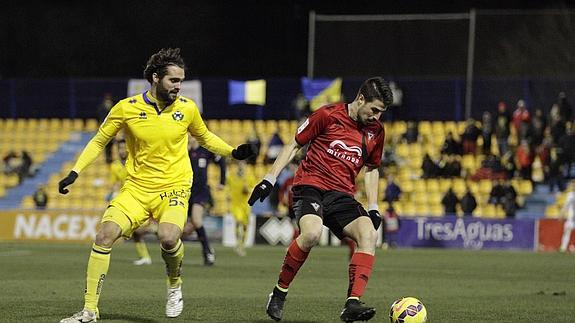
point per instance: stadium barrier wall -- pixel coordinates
(467, 233)
(550, 233)
(448, 232)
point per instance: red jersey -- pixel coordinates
(336, 151)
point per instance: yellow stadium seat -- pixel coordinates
(419, 197)
(552, 211)
(432, 185)
(422, 209)
(485, 186)
(525, 187)
(409, 209)
(436, 210)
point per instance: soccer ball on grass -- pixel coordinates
(407, 310)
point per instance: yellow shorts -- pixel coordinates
(133, 207)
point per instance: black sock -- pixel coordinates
(201, 232)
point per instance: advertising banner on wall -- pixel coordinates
(49, 225)
(550, 234)
(191, 89)
(472, 233)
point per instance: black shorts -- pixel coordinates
(336, 209)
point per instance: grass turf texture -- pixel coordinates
(45, 282)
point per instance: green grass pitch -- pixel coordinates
(45, 282)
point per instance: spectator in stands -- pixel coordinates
(538, 126)
(390, 225)
(255, 141)
(557, 125)
(521, 117)
(40, 197)
(509, 205)
(565, 110)
(502, 129)
(275, 145)
(508, 163)
(491, 168)
(102, 112)
(11, 163)
(469, 137)
(555, 175)
(486, 131)
(450, 145)
(468, 202)
(450, 201)
(452, 167)
(497, 192)
(509, 193)
(566, 150)
(411, 134)
(392, 190)
(429, 167)
(525, 158)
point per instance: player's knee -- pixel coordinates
(310, 238)
(106, 236)
(367, 237)
(169, 241)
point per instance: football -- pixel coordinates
(407, 310)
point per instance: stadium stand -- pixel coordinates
(65, 138)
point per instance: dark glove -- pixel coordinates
(261, 191)
(68, 180)
(244, 151)
(375, 218)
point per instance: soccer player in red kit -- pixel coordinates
(343, 138)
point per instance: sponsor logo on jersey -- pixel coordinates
(339, 149)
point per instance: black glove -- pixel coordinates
(261, 191)
(68, 180)
(244, 151)
(375, 218)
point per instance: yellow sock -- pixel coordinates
(173, 259)
(240, 234)
(142, 250)
(95, 276)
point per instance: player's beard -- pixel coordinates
(166, 96)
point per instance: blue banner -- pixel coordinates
(467, 233)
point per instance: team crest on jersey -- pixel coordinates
(370, 135)
(177, 116)
(143, 115)
(132, 101)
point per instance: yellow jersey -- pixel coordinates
(156, 141)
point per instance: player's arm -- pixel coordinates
(263, 189)
(106, 132)
(213, 143)
(371, 179)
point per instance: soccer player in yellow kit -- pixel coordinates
(240, 184)
(156, 124)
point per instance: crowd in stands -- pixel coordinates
(20, 164)
(524, 139)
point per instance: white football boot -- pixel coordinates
(175, 303)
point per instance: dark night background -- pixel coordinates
(108, 39)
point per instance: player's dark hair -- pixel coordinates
(159, 62)
(376, 88)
